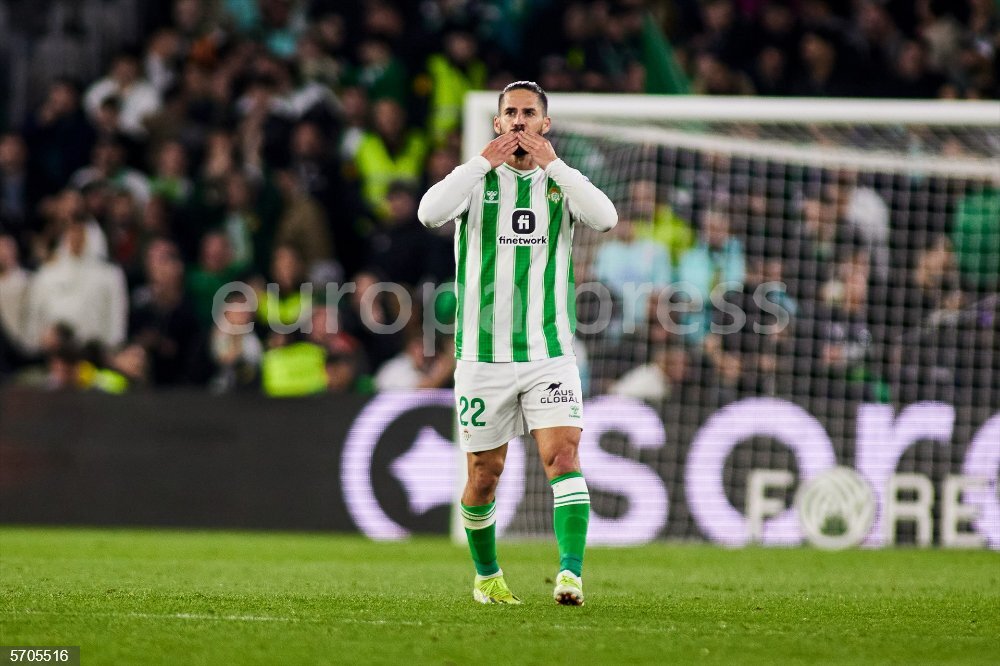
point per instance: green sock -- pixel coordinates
(570, 515)
(481, 530)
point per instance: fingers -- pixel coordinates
(507, 140)
(532, 141)
(538, 147)
(500, 148)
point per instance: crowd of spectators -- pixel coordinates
(829, 284)
(842, 48)
(285, 144)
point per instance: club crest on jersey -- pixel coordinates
(555, 196)
(522, 221)
(491, 196)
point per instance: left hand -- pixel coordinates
(538, 147)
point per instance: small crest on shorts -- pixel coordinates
(574, 411)
(466, 435)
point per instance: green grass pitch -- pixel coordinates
(203, 597)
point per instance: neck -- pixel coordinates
(165, 292)
(853, 304)
(822, 71)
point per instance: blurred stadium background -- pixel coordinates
(152, 152)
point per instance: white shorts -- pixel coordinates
(493, 400)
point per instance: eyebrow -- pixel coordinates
(523, 108)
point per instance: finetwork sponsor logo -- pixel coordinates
(522, 221)
(521, 240)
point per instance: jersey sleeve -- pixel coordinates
(586, 202)
(452, 195)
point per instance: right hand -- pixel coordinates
(499, 149)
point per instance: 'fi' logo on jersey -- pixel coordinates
(491, 196)
(522, 221)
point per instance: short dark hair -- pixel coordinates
(525, 85)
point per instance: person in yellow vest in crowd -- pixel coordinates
(283, 303)
(391, 151)
(666, 228)
(293, 367)
(450, 74)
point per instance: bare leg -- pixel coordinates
(479, 511)
(484, 469)
(559, 449)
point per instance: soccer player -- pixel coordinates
(515, 206)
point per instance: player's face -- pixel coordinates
(521, 110)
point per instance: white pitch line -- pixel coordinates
(217, 618)
(316, 620)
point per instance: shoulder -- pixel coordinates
(368, 141)
(112, 273)
(416, 139)
(101, 86)
(46, 274)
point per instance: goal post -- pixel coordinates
(880, 221)
(481, 107)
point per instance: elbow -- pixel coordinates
(426, 218)
(608, 221)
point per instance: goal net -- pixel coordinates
(793, 285)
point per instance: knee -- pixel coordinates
(483, 479)
(562, 459)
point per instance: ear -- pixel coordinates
(496, 125)
(546, 125)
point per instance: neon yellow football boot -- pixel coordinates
(493, 590)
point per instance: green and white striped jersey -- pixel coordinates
(514, 270)
(514, 256)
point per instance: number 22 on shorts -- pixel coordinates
(477, 405)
